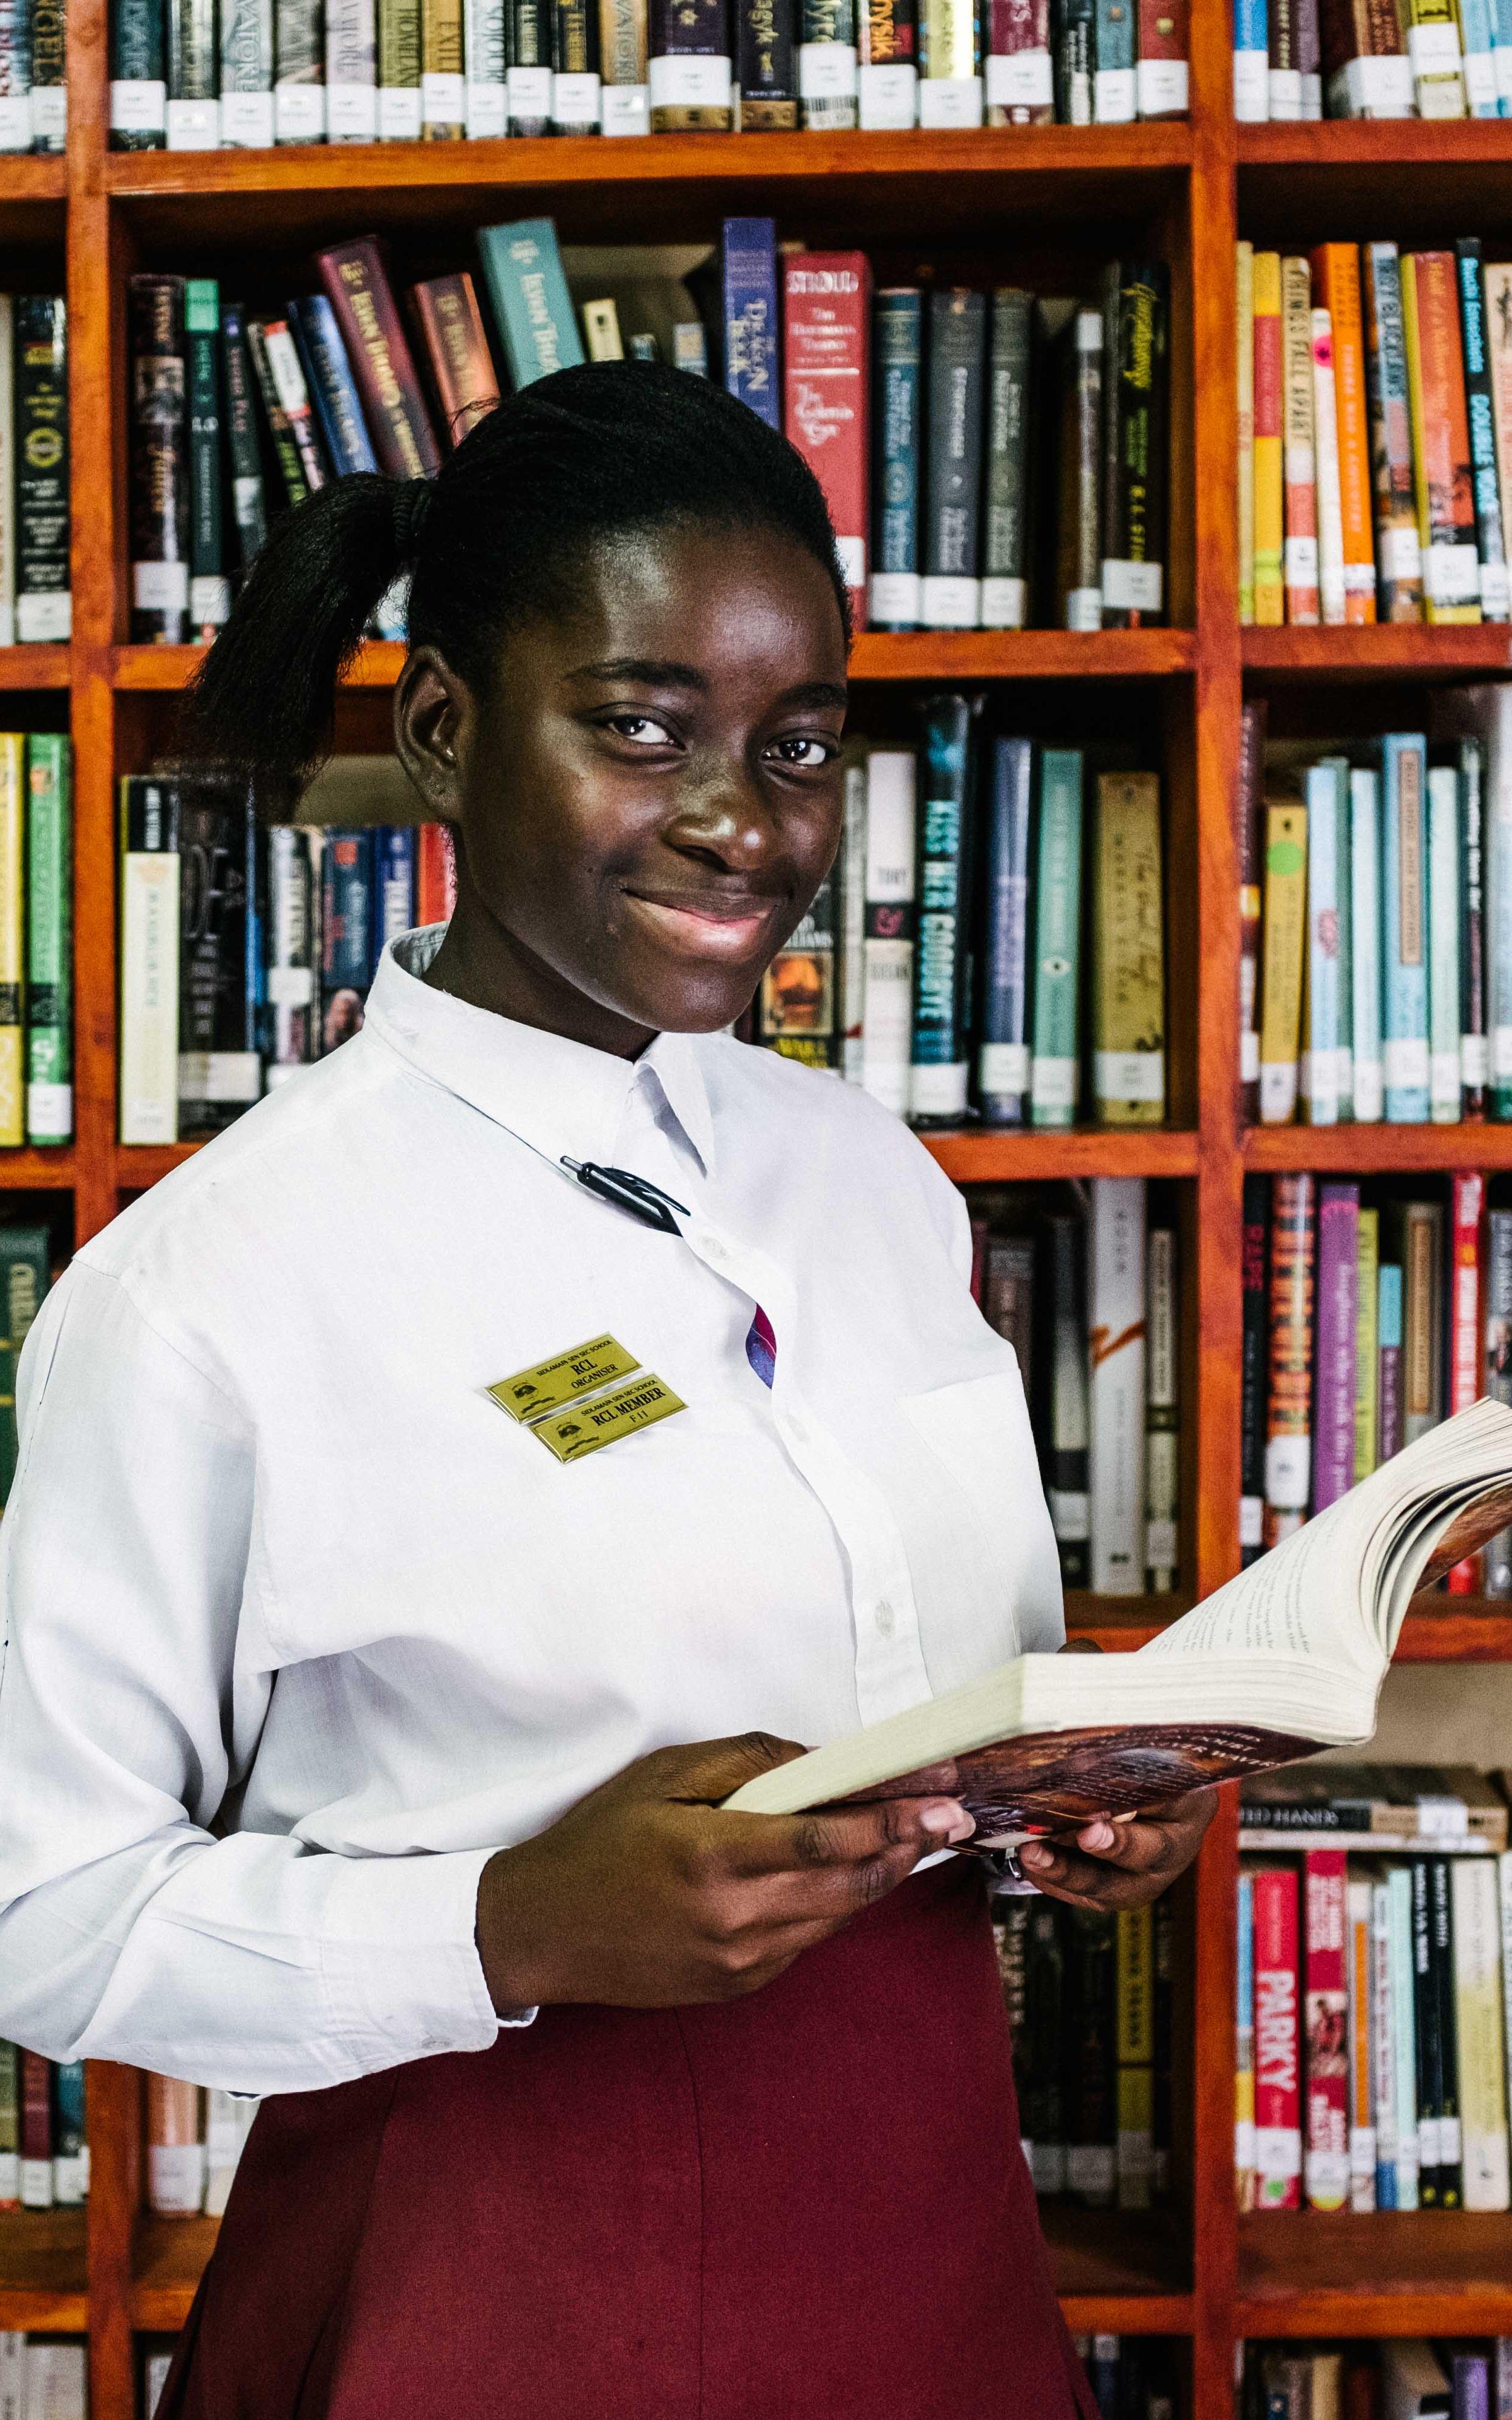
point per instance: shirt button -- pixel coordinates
(885, 1618)
(713, 1249)
(796, 1427)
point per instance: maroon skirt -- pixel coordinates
(811, 2204)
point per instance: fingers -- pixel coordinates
(712, 1770)
(1115, 1865)
(839, 1838)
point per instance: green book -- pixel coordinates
(24, 1281)
(1366, 1344)
(1057, 930)
(49, 937)
(532, 306)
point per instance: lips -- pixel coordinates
(708, 924)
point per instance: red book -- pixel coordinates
(354, 276)
(35, 2130)
(1020, 82)
(1465, 1332)
(461, 365)
(436, 875)
(1164, 46)
(826, 355)
(1328, 2031)
(1277, 2047)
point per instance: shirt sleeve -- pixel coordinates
(135, 1682)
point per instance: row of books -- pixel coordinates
(1371, 2037)
(1088, 1999)
(1376, 922)
(33, 101)
(194, 2139)
(246, 953)
(1084, 1283)
(1403, 2377)
(26, 1269)
(43, 2378)
(1375, 435)
(44, 2150)
(942, 965)
(1132, 2378)
(1367, 1319)
(35, 524)
(1346, 59)
(402, 70)
(990, 460)
(36, 938)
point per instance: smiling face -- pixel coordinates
(648, 795)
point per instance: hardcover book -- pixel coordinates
(827, 345)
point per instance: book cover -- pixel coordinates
(897, 338)
(950, 591)
(888, 73)
(691, 66)
(1318, 1075)
(1244, 394)
(1254, 1373)
(1475, 1040)
(1398, 550)
(1005, 590)
(138, 76)
(1480, 2032)
(1368, 1067)
(367, 316)
(160, 517)
(1269, 592)
(1443, 858)
(1128, 952)
(332, 390)
(462, 366)
(890, 912)
(1326, 466)
(1249, 848)
(1002, 1084)
(1335, 1349)
(1282, 958)
(1079, 524)
(12, 939)
(766, 70)
(1440, 437)
(1020, 79)
(1367, 1345)
(1065, 1425)
(826, 349)
(1116, 1353)
(1491, 536)
(1289, 1390)
(940, 1057)
(1163, 1418)
(1337, 279)
(149, 898)
(1134, 317)
(1404, 927)
(247, 74)
(300, 77)
(798, 1001)
(752, 324)
(1055, 1063)
(43, 608)
(1326, 2029)
(1299, 560)
(210, 589)
(49, 938)
(248, 499)
(1277, 2041)
(1361, 2001)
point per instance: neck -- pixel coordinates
(481, 962)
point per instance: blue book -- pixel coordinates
(1404, 926)
(1365, 953)
(1491, 538)
(1443, 943)
(939, 1058)
(1252, 62)
(328, 374)
(752, 320)
(1003, 1014)
(532, 306)
(1477, 35)
(1114, 97)
(897, 359)
(1320, 1084)
(393, 875)
(347, 924)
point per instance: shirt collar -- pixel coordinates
(559, 1095)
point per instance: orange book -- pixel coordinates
(176, 2147)
(436, 875)
(1336, 284)
(1440, 437)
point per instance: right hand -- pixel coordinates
(645, 1895)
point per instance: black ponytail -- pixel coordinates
(497, 538)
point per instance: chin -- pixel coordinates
(706, 1010)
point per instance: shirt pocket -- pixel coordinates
(978, 1430)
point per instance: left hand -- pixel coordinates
(1108, 1865)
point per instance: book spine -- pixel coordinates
(209, 590)
(1369, 1073)
(1252, 63)
(1005, 589)
(435, 876)
(1319, 1062)
(357, 283)
(1337, 272)
(1443, 943)
(1326, 460)
(890, 913)
(220, 1070)
(8, 473)
(351, 71)
(528, 40)
(398, 70)
(1465, 1327)
(888, 75)
(796, 1007)
(1404, 2027)
(1127, 952)
(1367, 1345)
(1344, 1039)
(248, 502)
(1326, 2029)
(286, 452)
(247, 112)
(331, 388)
(286, 372)
(1163, 1435)
(1164, 50)
(1091, 2154)
(827, 65)
(940, 1060)
(347, 928)
(138, 76)
(1339, 1274)
(176, 2148)
(1358, 1918)
(485, 62)
(692, 76)
(766, 69)
(12, 939)
(1479, 2033)
(1301, 563)
(1269, 593)
(1478, 31)
(1115, 79)
(1135, 2049)
(1382, 2047)
(35, 2130)
(1475, 1040)
(1074, 23)
(393, 885)
(1398, 550)
(828, 299)
(290, 882)
(1245, 2047)
(1307, 50)
(1422, 1317)
(1253, 1366)
(623, 51)
(1132, 572)
(1404, 925)
(1020, 73)
(897, 349)
(1067, 1477)
(49, 97)
(1116, 1352)
(70, 2150)
(43, 605)
(450, 326)
(853, 924)
(1390, 1330)
(1440, 438)
(193, 111)
(1497, 1375)
(300, 72)
(1245, 392)
(752, 324)
(1451, 2157)
(1055, 1061)
(149, 961)
(1249, 801)
(950, 64)
(1491, 536)
(1282, 958)
(1288, 1410)
(950, 591)
(49, 938)
(1497, 289)
(1277, 2042)
(1079, 567)
(1047, 2011)
(160, 460)
(576, 83)
(1002, 1028)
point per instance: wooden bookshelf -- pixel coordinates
(1008, 202)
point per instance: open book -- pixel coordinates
(1284, 1660)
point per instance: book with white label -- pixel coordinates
(1284, 1660)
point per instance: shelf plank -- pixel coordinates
(43, 2282)
(29, 1170)
(1442, 1629)
(1393, 2273)
(1377, 1150)
(1107, 2254)
(1372, 143)
(34, 668)
(1387, 651)
(167, 2257)
(1005, 1156)
(1118, 1624)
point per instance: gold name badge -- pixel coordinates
(571, 1434)
(550, 1385)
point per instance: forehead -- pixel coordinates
(730, 601)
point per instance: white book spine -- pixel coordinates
(1404, 2033)
(888, 1003)
(1368, 1070)
(12, 2375)
(1444, 944)
(1480, 2034)
(150, 997)
(1326, 461)
(1116, 1348)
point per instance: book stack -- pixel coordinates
(44, 2151)
(1369, 1319)
(1375, 1969)
(194, 2140)
(1376, 922)
(1083, 1282)
(394, 71)
(1375, 435)
(1410, 58)
(26, 1274)
(942, 964)
(1132, 2378)
(246, 952)
(34, 521)
(34, 104)
(43, 2378)
(1088, 1999)
(991, 460)
(1403, 2378)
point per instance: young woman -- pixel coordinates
(359, 1751)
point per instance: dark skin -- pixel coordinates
(646, 799)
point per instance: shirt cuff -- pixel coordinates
(399, 1959)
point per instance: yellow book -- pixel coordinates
(1479, 2032)
(1366, 1346)
(1265, 408)
(1283, 954)
(1245, 299)
(1127, 952)
(1134, 2039)
(12, 937)
(1430, 30)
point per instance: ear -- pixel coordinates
(434, 720)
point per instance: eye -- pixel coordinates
(806, 752)
(643, 729)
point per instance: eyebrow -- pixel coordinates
(658, 674)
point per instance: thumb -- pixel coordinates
(709, 1773)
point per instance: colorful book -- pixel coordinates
(49, 938)
(1163, 1427)
(1254, 1376)
(752, 324)
(940, 1061)
(1368, 1346)
(462, 367)
(1440, 437)
(1289, 1391)
(1368, 1064)
(826, 349)
(1277, 2042)
(1300, 561)
(1244, 394)
(209, 588)
(1270, 592)
(1055, 1073)
(1336, 1297)
(354, 277)
(1320, 1069)
(891, 896)
(690, 71)
(1398, 548)
(1444, 914)
(1326, 2027)
(1491, 536)
(43, 524)
(1337, 279)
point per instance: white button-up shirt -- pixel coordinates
(300, 1627)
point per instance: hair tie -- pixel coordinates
(412, 505)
